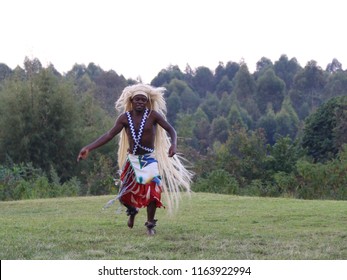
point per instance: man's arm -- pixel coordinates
(170, 130)
(118, 126)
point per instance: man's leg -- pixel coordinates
(151, 222)
(131, 212)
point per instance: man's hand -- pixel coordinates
(83, 154)
(172, 150)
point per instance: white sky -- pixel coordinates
(141, 37)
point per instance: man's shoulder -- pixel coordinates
(155, 113)
(122, 117)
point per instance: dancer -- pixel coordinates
(146, 155)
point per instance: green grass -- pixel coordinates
(206, 226)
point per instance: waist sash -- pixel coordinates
(145, 168)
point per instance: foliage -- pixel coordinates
(203, 81)
(247, 124)
(246, 154)
(287, 120)
(323, 181)
(270, 89)
(180, 98)
(336, 85)
(244, 84)
(5, 72)
(268, 122)
(286, 183)
(324, 130)
(166, 75)
(217, 181)
(308, 86)
(100, 180)
(283, 155)
(219, 129)
(38, 117)
(23, 181)
(287, 69)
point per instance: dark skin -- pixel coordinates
(148, 136)
(139, 103)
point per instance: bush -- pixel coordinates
(323, 181)
(100, 180)
(217, 181)
(286, 183)
(23, 190)
(71, 187)
(25, 182)
(258, 187)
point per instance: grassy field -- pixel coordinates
(207, 226)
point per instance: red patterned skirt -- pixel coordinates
(135, 194)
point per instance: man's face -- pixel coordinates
(139, 102)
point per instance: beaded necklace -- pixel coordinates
(137, 138)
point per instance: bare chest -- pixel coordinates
(138, 126)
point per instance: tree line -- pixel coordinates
(279, 131)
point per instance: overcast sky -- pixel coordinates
(141, 37)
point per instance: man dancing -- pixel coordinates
(146, 155)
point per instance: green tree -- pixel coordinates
(287, 120)
(94, 71)
(16, 121)
(166, 75)
(5, 71)
(224, 86)
(219, 73)
(334, 66)
(287, 69)
(77, 71)
(324, 130)
(107, 88)
(223, 77)
(201, 131)
(189, 100)
(244, 84)
(237, 115)
(340, 130)
(203, 81)
(185, 124)
(244, 87)
(38, 118)
(231, 69)
(270, 89)
(219, 129)
(174, 106)
(18, 74)
(336, 85)
(262, 66)
(269, 124)
(210, 106)
(244, 155)
(283, 155)
(225, 103)
(308, 86)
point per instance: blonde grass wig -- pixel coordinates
(175, 176)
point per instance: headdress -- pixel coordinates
(175, 176)
(139, 92)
